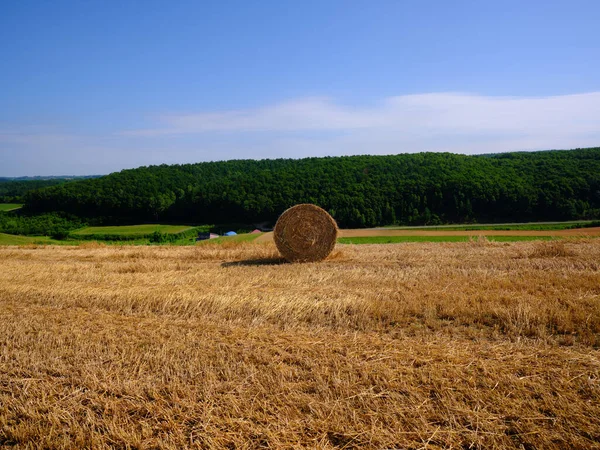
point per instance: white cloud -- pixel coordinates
(422, 115)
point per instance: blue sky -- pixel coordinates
(91, 87)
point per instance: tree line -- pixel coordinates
(359, 191)
(56, 225)
(12, 190)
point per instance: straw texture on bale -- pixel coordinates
(305, 233)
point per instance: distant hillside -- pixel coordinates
(13, 189)
(423, 188)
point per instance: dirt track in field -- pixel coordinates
(368, 232)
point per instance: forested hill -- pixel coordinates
(13, 189)
(424, 188)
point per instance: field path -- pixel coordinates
(265, 237)
(368, 232)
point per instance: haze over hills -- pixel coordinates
(359, 191)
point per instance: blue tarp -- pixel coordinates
(230, 233)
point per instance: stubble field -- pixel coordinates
(419, 345)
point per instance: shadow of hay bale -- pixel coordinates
(256, 262)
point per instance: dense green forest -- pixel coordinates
(359, 191)
(12, 190)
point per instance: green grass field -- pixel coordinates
(246, 237)
(9, 239)
(9, 206)
(135, 232)
(128, 230)
(400, 239)
(532, 226)
(140, 234)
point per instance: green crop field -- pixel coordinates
(246, 237)
(400, 239)
(9, 206)
(532, 226)
(9, 239)
(129, 230)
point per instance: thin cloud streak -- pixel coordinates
(413, 115)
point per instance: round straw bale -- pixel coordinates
(305, 233)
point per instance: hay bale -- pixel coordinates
(305, 233)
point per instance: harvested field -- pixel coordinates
(462, 345)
